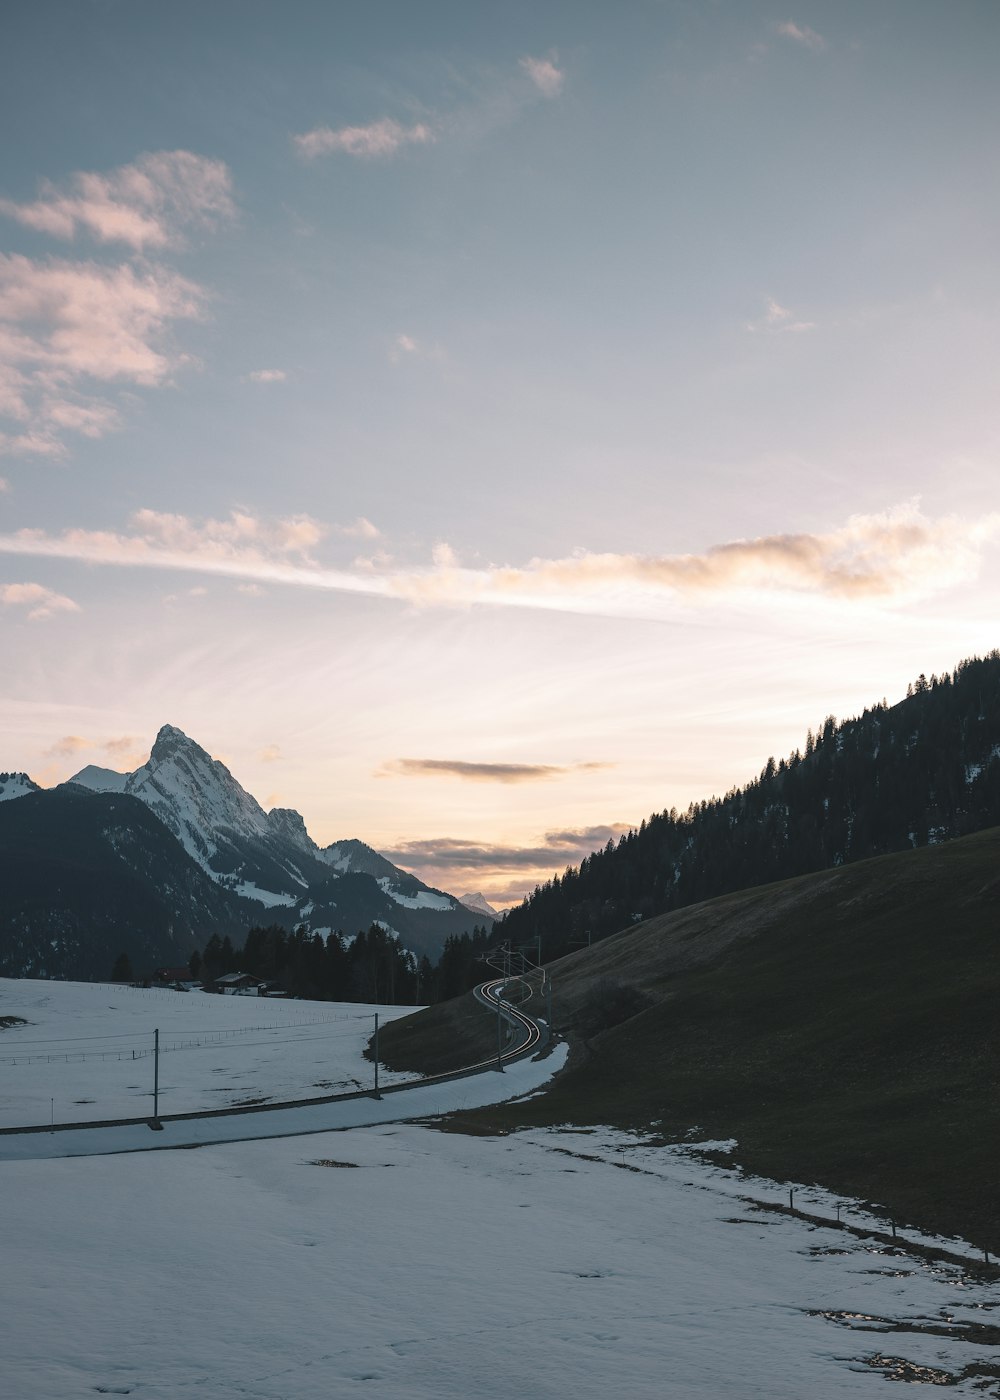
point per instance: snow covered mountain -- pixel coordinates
(479, 904)
(269, 857)
(16, 785)
(261, 855)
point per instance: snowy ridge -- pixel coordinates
(100, 779)
(16, 785)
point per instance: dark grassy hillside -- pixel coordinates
(844, 1027)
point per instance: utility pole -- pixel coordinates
(377, 1094)
(155, 1124)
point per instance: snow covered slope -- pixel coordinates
(404, 889)
(100, 779)
(16, 785)
(220, 824)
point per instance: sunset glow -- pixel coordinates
(483, 426)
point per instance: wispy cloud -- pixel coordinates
(122, 747)
(360, 529)
(777, 319)
(896, 555)
(270, 754)
(65, 324)
(121, 750)
(401, 346)
(267, 376)
(68, 746)
(146, 205)
(505, 873)
(41, 602)
(801, 34)
(484, 772)
(377, 141)
(554, 848)
(545, 75)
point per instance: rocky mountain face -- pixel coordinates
(184, 851)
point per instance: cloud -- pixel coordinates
(68, 746)
(897, 555)
(121, 747)
(144, 205)
(267, 376)
(377, 141)
(778, 318)
(402, 345)
(271, 754)
(801, 34)
(405, 347)
(4, 485)
(360, 529)
(485, 772)
(41, 602)
(81, 318)
(121, 750)
(65, 324)
(547, 78)
(555, 849)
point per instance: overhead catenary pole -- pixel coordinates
(155, 1121)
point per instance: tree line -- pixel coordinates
(371, 967)
(922, 771)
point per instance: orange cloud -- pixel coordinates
(896, 555)
(41, 602)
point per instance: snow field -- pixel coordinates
(87, 1051)
(405, 1263)
(408, 1264)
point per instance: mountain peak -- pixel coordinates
(478, 904)
(169, 740)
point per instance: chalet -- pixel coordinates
(238, 984)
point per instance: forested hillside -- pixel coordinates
(895, 778)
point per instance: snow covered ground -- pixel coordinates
(405, 1263)
(408, 1264)
(87, 1050)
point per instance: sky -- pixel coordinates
(482, 426)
